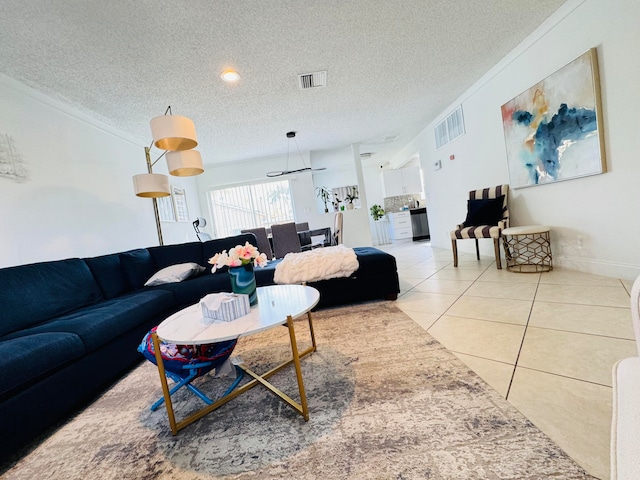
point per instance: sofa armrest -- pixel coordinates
(625, 422)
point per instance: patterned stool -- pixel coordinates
(528, 249)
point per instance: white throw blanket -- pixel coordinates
(318, 264)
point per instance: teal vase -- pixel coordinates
(243, 280)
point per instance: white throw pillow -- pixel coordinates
(175, 273)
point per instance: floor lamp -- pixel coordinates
(175, 135)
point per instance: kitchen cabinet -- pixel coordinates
(400, 225)
(402, 181)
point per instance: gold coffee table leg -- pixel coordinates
(296, 362)
(302, 407)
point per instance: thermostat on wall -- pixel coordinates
(437, 165)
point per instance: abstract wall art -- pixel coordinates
(553, 131)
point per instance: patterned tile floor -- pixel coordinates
(545, 341)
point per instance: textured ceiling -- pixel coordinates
(393, 66)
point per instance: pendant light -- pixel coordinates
(279, 173)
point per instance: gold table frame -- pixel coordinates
(302, 407)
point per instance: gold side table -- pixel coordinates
(528, 249)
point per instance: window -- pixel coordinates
(250, 206)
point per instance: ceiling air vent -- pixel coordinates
(312, 80)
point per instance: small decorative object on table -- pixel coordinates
(224, 306)
(241, 260)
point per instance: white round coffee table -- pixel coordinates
(277, 305)
(528, 248)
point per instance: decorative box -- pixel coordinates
(224, 306)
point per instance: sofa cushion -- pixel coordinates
(27, 358)
(373, 261)
(138, 266)
(98, 324)
(173, 254)
(108, 272)
(485, 211)
(31, 294)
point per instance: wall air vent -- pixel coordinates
(449, 128)
(312, 80)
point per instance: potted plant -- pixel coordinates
(351, 196)
(377, 212)
(325, 195)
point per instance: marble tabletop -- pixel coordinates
(275, 303)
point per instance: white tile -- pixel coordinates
(434, 285)
(496, 374)
(494, 309)
(504, 275)
(593, 319)
(416, 271)
(456, 274)
(491, 340)
(425, 320)
(470, 263)
(574, 414)
(435, 303)
(513, 291)
(407, 284)
(571, 277)
(576, 355)
(584, 295)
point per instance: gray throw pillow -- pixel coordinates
(175, 273)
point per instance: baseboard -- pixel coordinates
(598, 267)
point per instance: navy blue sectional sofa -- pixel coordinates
(70, 328)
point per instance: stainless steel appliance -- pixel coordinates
(419, 224)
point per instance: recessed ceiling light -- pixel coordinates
(230, 76)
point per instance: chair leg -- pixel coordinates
(454, 247)
(477, 250)
(496, 247)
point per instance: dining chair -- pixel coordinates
(264, 245)
(301, 227)
(337, 229)
(285, 239)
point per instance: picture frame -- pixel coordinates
(180, 204)
(554, 131)
(165, 209)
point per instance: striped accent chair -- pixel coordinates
(492, 228)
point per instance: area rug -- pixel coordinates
(386, 401)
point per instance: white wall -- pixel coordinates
(78, 200)
(255, 170)
(306, 206)
(602, 208)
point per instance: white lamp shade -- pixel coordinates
(151, 185)
(185, 163)
(173, 132)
